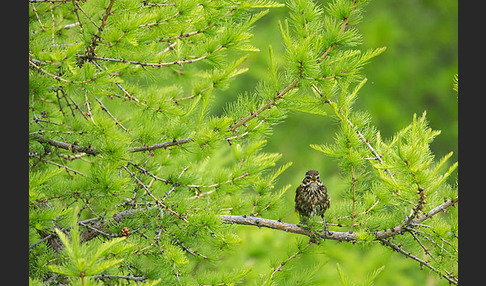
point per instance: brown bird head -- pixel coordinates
(312, 175)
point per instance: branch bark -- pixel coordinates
(333, 235)
(68, 146)
(288, 227)
(161, 145)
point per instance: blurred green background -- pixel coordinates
(415, 74)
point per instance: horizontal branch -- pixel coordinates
(161, 145)
(334, 235)
(127, 277)
(287, 227)
(68, 146)
(158, 64)
(145, 64)
(349, 236)
(92, 151)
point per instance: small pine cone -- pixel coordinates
(125, 231)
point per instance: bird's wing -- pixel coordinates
(298, 191)
(328, 198)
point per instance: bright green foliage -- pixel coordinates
(369, 279)
(123, 137)
(86, 260)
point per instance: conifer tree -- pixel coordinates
(123, 142)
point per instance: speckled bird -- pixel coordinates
(311, 197)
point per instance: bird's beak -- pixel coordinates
(314, 179)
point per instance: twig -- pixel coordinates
(98, 230)
(341, 31)
(437, 209)
(174, 186)
(159, 203)
(146, 171)
(65, 167)
(279, 267)
(190, 251)
(77, 6)
(419, 206)
(268, 105)
(75, 10)
(354, 195)
(88, 106)
(117, 122)
(361, 136)
(161, 21)
(159, 64)
(161, 145)
(398, 249)
(34, 65)
(184, 35)
(426, 250)
(51, 9)
(218, 184)
(127, 277)
(37, 15)
(96, 37)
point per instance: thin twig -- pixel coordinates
(76, 4)
(35, 66)
(279, 267)
(65, 167)
(88, 106)
(127, 277)
(190, 251)
(98, 230)
(354, 196)
(218, 184)
(268, 105)
(161, 145)
(398, 249)
(341, 31)
(90, 50)
(117, 122)
(75, 10)
(361, 136)
(159, 64)
(37, 15)
(159, 203)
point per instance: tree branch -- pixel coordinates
(347, 236)
(117, 122)
(127, 277)
(398, 249)
(68, 146)
(287, 227)
(268, 105)
(333, 235)
(161, 145)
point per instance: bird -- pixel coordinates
(311, 198)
